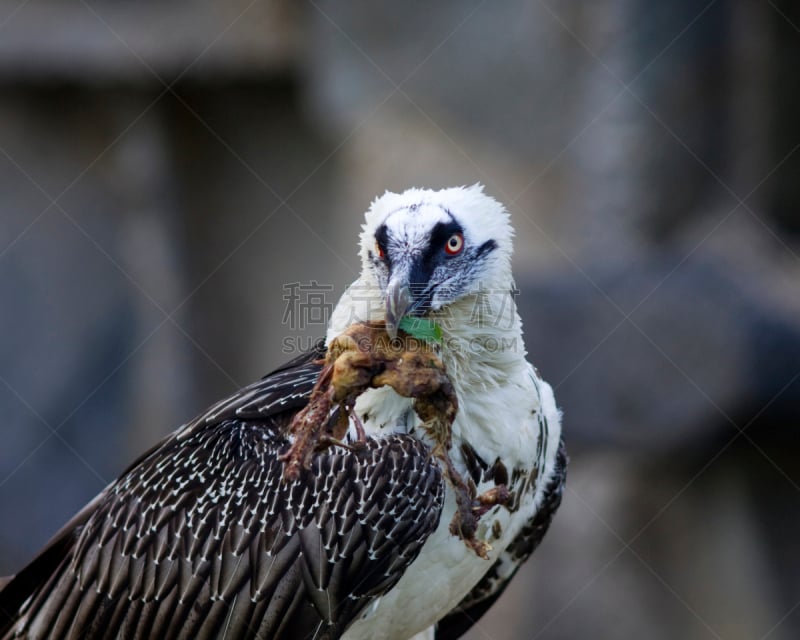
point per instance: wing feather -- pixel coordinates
(201, 538)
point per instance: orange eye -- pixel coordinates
(454, 244)
(379, 251)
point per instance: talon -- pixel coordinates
(329, 441)
(499, 495)
(361, 434)
(496, 495)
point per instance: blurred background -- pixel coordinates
(181, 188)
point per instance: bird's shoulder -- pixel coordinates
(273, 399)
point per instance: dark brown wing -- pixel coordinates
(490, 588)
(285, 391)
(202, 539)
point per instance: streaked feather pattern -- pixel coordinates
(202, 539)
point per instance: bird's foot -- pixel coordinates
(499, 495)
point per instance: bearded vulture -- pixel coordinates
(202, 537)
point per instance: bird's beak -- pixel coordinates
(398, 301)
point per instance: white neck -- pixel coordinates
(482, 345)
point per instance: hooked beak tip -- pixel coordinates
(398, 301)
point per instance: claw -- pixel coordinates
(361, 434)
(329, 441)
